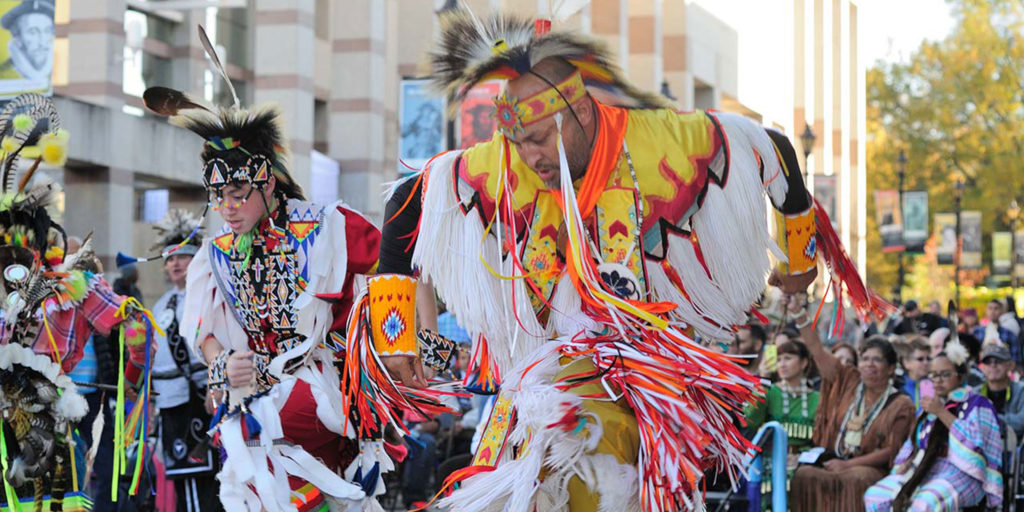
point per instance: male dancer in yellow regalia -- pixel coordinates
(584, 246)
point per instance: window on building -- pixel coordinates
(144, 68)
(229, 31)
(233, 36)
(321, 120)
(151, 204)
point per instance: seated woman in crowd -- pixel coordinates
(845, 354)
(789, 401)
(862, 421)
(953, 457)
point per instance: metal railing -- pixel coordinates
(755, 466)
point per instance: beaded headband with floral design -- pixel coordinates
(513, 115)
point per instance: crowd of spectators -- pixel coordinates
(917, 412)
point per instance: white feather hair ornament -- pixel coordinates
(956, 352)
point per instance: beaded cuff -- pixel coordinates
(393, 314)
(437, 351)
(797, 239)
(217, 372)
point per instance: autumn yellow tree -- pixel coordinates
(956, 107)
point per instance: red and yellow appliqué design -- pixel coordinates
(392, 314)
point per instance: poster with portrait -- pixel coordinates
(26, 47)
(825, 193)
(1002, 253)
(476, 124)
(945, 230)
(890, 223)
(970, 233)
(915, 220)
(421, 120)
(1018, 266)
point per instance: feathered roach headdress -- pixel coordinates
(243, 145)
(29, 128)
(505, 47)
(179, 232)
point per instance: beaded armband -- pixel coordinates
(393, 314)
(437, 351)
(217, 372)
(797, 239)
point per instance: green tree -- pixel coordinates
(956, 107)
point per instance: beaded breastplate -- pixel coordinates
(263, 284)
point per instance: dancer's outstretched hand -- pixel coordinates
(792, 284)
(407, 370)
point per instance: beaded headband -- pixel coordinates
(513, 115)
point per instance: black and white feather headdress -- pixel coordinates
(242, 144)
(179, 232)
(505, 46)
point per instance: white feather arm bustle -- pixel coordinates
(732, 229)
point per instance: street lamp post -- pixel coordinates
(1013, 212)
(902, 273)
(957, 196)
(666, 91)
(807, 139)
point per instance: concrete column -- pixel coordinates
(98, 198)
(360, 102)
(644, 67)
(416, 23)
(95, 35)
(190, 63)
(283, 66)
(674, 53)
(858, 137)
(609, 21)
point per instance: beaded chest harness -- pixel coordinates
(263, 285)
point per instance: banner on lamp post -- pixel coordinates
(970, 233)
(890, 222)
(1002, 253)
(27, 39)
(1018, 266)
(915, 220)
(945, 231)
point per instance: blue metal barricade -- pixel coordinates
(780, 444)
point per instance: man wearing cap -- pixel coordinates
(995, 331)
(179, 377)
(30, 50)
(1006, 395)
(913, 320)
